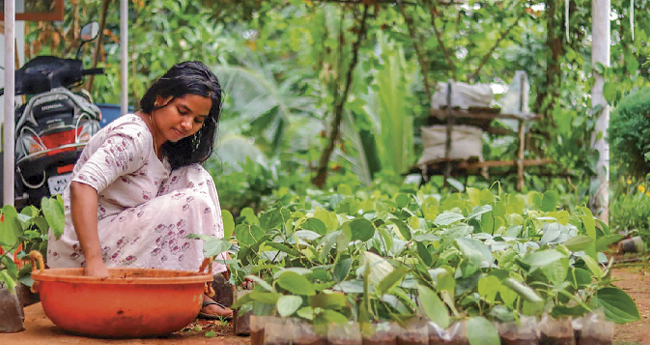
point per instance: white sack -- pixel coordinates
(463, 95)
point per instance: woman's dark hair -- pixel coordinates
(188, 78)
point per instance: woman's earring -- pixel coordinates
(155, 104)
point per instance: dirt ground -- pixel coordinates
(635, 280)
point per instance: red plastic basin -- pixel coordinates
(131, 303)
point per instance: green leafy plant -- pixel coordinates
(629, 134)
(630, 209)
(20, 233)
(392, 255)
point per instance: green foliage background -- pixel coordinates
(283, 64)
(629, 134)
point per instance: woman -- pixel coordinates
(138, 188)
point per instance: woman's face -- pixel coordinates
(180, 117)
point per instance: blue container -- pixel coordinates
(110, 112)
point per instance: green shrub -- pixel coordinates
(630, 209)
(629, 134)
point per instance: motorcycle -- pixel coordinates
(55, 124)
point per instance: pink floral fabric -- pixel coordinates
(145, 210)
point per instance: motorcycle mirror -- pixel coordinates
(89, 32)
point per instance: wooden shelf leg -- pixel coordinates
(449, 131)
(520, 158)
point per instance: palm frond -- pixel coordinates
(357, 159)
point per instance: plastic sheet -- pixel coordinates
(275, 331)
(596, 330)
(344, 334)
(437, 335)
(457, 334)
(415, 332)
(556, 331)
(523, 332)
(303, 333)
(382, 333)
(257, 324)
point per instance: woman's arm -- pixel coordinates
(83, 206)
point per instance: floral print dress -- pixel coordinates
(145, 209)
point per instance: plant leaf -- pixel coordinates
(619, 306)
(214, 246)
(287, 305)
(523, 290)
(433, 306)
(549, 200)
(543, 258)
(248, 234)
(228, 223)
(578, 243)
(482, 332)
(53, 212)
(362, 229)
(402, 227)
(296, 284)
(448, 218)
(261, 282)
(341, 269)
(391, 280)
(314, 224)
(424, 254)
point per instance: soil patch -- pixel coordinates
(635, 280)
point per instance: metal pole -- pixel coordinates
(124, 64)
(600, 51)
(10, 89)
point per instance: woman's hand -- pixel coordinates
(97, 269)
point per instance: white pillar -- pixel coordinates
(600, 28)
(124, 64)
(10, 86)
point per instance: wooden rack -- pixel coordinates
(483, 117)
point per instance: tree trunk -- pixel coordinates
(321, 172)
(600, 25)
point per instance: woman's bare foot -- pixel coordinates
(214, 310)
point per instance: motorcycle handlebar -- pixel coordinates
(92, 71)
